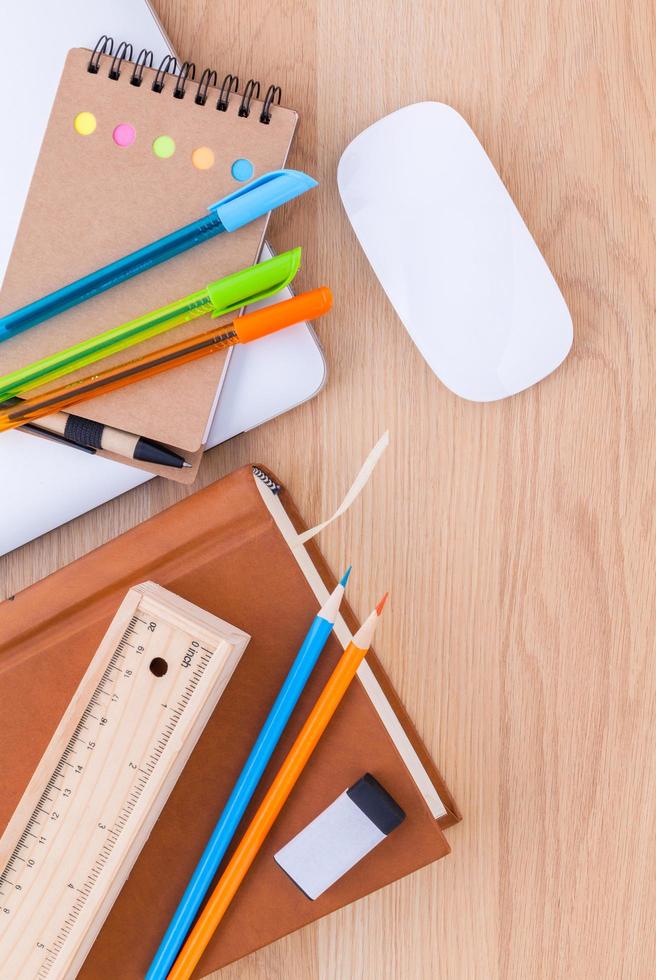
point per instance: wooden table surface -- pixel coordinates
(517, 538)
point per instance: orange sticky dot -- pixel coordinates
(202, 158)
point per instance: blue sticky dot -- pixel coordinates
(242, 170)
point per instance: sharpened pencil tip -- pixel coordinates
(379, 607)
(345, 577)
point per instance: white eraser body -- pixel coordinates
(336, 840)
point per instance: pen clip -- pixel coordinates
(56, 437)
(254, 284)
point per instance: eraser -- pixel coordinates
(336, 840)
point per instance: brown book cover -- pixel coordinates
(224, 549)
(91, 202)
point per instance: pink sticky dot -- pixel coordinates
(124, 134)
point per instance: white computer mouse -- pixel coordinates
(453, 253)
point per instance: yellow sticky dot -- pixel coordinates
(163, 147)
(84, 123)
(202, 158)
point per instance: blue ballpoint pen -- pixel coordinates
(246, 785)
(234, 211)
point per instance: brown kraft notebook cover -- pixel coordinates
(223, 550)
(92, 202)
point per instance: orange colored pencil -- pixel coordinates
(275, 798)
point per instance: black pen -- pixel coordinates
(90, 435)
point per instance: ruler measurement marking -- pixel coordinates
(92, 873)
(57, 773)
(136, 793)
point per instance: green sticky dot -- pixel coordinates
(163, 147)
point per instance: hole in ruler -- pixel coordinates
(158, 666)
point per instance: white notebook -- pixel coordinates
(52, 484)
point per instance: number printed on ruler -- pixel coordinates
(91, 809)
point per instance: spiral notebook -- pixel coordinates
(136, 176)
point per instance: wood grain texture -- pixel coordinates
(517, 538)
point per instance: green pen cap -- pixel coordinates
(254, 284)
(220, 297)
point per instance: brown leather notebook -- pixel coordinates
(233, 550)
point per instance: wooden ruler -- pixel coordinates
(105, 777)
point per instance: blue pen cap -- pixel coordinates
(261, 196)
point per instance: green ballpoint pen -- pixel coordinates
(223, 296)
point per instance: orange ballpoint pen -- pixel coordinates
(242, 330)
(275, 799)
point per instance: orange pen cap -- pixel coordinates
(306, 306)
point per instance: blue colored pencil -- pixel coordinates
(246, 785)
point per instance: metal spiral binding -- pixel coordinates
(230, 82)
(144, 60)
(186, 74)
(123, 53)
(167, 64)
(209, 77)
(188, 69)
(266, 480)
(104, 45)
(274, 94)
(252, 91)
